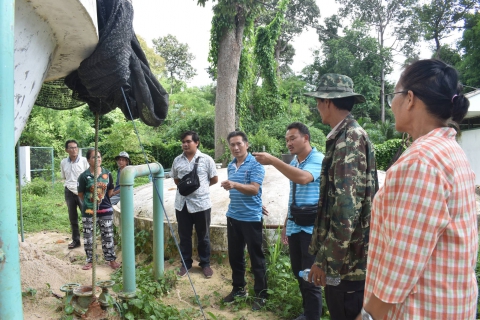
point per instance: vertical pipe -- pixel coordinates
(20, 190)
(158, 246)
(10, 286)
(128, 241)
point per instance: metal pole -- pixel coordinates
(158, 246)
(127, 177)
(20, 190)
(10, 285)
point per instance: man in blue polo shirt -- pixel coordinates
(244, 220)
(304, 172)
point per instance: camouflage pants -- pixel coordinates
(106, 229)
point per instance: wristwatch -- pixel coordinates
(366, 315)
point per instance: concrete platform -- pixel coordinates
(275, 197)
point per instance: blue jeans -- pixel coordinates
(186, 221)
(300, 259)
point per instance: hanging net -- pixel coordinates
(56, 95)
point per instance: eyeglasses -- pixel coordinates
(390, 96)
(72, 148)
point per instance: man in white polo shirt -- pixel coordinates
(71, 167)
(304, 175)
(195, 208)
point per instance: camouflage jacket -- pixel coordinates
(348, 183)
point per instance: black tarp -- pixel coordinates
(119, 62)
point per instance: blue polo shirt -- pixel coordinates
(306, 194)
(243, 207)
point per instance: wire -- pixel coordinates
(161, 202)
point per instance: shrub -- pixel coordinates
(385, 152)
(38, 187)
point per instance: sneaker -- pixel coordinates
(207, 272)
(236, 292)
(258, 303)
(182, 272)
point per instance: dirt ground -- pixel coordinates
(47, 264)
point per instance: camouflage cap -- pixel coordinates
(333, 86)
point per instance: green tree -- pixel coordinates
(448, 55)
(438, 18)
(355, 55)
(229, 21)
(470, 45)
(177, 59)
(299, 15)
(386, 18)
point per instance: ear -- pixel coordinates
(411, 100)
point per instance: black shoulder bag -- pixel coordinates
(189, 182)
(304, 215)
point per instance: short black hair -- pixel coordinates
(303, 129)
(237, 133)
(90, 151)
(342, 103)
(436, 84)
(192, 133)
(70, 141)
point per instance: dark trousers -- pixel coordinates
(300, 259)
(345, 300)
(186, 221)
(73, 202)
(241, 234)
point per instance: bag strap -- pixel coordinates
(195, 165)
(294, 191)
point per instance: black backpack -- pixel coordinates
(189, 182)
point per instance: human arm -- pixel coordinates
(284, 232)
(376, 308)
(110, 186)
(213, 180)
(250, 189)
(80, 195)
(62, 171)
(294, 174)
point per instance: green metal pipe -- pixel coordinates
(127, 177)
(10, 285)
(158, 247)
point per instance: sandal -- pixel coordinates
(113, 264)
(88, 266)
(74, 244)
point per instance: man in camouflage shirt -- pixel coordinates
(348, 183)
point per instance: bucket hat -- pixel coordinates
(334, 86)
(123, 154)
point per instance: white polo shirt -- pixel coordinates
(71, 170)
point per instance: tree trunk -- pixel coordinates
(229, 50)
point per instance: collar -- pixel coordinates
(198, 153)
(76, 160)
(247, 159)
(340, 126)
(308, 155)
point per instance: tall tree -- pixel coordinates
(299, 15)
(470, 45)
(226, 40)
(438, 18)
(393, 17)
(177, 58)
(357, 55)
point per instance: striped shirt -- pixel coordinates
(423, 233)
(306, 194)
(199, 200)
(243, 207)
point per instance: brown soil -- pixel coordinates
(47, 264)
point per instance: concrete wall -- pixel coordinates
(470, 143)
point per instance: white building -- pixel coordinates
(469, 140)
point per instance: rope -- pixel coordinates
(161, 202)
(95, 204)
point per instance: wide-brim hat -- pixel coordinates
(335, 86)
(123, 154)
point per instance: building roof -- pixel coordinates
(474, 110)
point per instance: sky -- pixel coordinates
(191, 24)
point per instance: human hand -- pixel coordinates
(263, 157)
(284, 236)
(264, 211)
(317, 276)
(228, 185)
